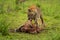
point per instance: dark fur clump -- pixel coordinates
(29, 28)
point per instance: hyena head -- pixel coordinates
(32, 12)
(32, 9)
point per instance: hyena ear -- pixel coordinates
(29, 10)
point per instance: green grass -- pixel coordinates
(17, 16)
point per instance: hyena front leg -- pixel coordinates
(36, 22)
